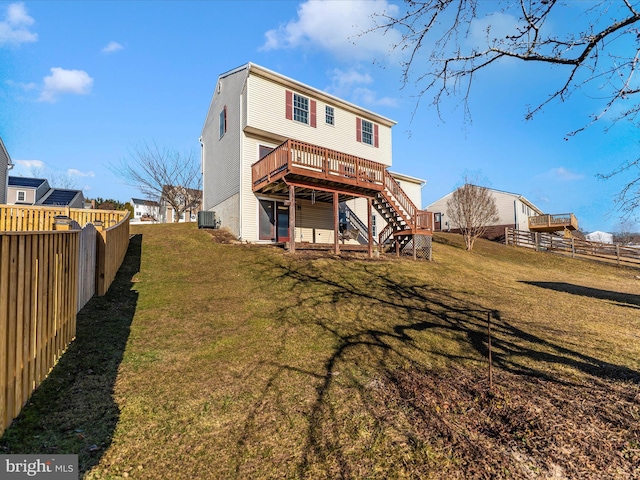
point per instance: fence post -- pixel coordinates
(506, 236)
(618, 252)
(573, 247)
(537, 241)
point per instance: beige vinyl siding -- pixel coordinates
(12, 195)
(314, 222)
(266, 111)
(221, 156)
(506, 208)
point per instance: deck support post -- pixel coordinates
(395, 239)
(336, 222)
(415, 250)
(292, 219)
(369, 227)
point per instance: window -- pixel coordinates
(223, 121)
(264, 151)
(374, 230)
(329, 115)
(22, 196)
(367, 132)
(300, 108)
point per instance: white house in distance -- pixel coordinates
(601, 237)
(5, 166)
(285, 162)
(513, 211)
(145, 210)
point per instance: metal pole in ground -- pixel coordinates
(489, 344)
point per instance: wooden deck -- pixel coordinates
(315, 167)
(553, 223)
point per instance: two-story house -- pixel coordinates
(37, 191)
(281, 162)
(5, 166)
(514, 211)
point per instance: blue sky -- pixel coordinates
(82, 83)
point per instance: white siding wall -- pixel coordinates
(510, 210)
(506, 208)
(266, 111)
(221, 163)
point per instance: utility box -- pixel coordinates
(207, 220)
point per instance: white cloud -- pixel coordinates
(349, 84)
(30, 164)
(112, 47)
(77, 173)
(63, 81)
(563, 174)
(337, 27)
(21, 85)
(369, 98)
(14, 28)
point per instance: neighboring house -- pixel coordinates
(36, 191)
(145, 210)
(513, 211)
(189, 198)
(602, 237)
(282, 161)
(5, 166)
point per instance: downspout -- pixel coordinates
(241, 158)
(202, 171)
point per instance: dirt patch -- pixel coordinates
(222, 235)
(526, 427)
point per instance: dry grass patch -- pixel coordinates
(248, 362)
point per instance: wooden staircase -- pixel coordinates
(404, 219)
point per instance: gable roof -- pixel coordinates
(60, 196)
(26, 182)
(146, 203)
(253, 68)
(4, 153)
(515, 195)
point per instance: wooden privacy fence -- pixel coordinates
(38, 291)
(606, 252)
(17, 218)
(46, 277)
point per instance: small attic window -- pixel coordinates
(219, 87)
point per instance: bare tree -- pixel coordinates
(164, 175)
(472, 209)
(445, 43)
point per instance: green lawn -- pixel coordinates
(210, 360)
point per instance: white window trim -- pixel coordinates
(294, 107)
(24, 196)
(370, 133)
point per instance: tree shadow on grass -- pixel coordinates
(73, 410)
(391, 314)
(619, 298)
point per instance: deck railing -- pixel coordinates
(559, 220)
(318, 162)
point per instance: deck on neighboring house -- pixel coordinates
(553, 223)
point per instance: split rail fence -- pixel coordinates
(49, 269)
(574, 247)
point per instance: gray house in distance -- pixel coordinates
(36, 191)
(5, 166)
